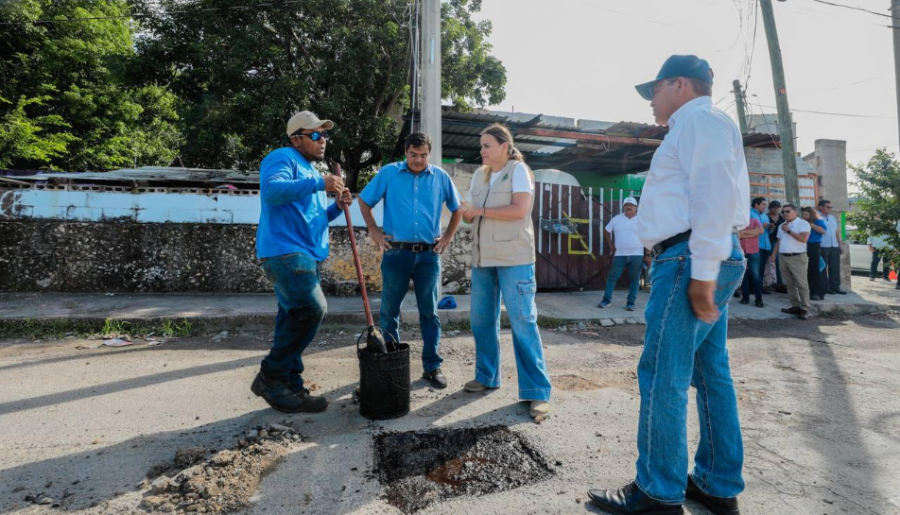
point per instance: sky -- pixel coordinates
(581, 59)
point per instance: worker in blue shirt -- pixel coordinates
(291, 241)
(758, 211)
(414, 193)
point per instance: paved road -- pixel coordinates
(818, 401)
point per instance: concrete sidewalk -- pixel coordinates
(224, 309)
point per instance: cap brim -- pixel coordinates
(323, 124)
(645, 90)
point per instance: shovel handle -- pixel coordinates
(359, 271)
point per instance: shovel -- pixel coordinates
(374, 339)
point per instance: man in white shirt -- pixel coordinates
(628, 253)
(877, 246)
(832, 248)
(793, 261)
(696, 198)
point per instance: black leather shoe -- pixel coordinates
(803, 315)
(630, 500)
(436, 379)
(745, 300)
(280, 396)
(840, 292)
(759, 304)
(790, 311)
(716, 505)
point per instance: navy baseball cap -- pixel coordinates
(678, 66)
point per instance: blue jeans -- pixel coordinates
(398, 266)
(634, 265)
(517, 286)
(301, 309)
(680, 350)
(752, 277)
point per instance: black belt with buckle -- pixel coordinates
(792, 254)
(661, 247)
(414, 247)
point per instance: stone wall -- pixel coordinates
(56, 255)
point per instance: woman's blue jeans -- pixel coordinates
(680, 351)
(517, 286)
(301, 309)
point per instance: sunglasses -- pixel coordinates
(786, 211)
(315, 136)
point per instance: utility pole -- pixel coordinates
(431, 76)
(785, 126)
(895, 12)
(739, 102)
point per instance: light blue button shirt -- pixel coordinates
(829, 239)
(763, 219)
(412, 202)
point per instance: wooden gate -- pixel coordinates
(568, 230)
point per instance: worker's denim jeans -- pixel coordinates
(680, 351)
(752, 278)
(517, 286)
(398, 266)
(301, 309)
(634, 265)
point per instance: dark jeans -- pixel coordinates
(832, 257)
(752, 278)
(814, 276)
(398, 266)
(634, 265)
(877, 257)
(301, 309)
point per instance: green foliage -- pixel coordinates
(240, 73)
(879, 203)
(77, 105)
(113, 327)
(169, 328)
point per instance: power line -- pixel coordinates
(851, 115)
(856, 8)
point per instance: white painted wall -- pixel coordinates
(168, 207)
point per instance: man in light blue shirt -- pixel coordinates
(758, 208)
(414, 193)
(832, 248)
(291, 240)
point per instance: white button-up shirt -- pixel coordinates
(698, 180)
(829, 239)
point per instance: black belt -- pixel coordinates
(414, 247)
(790, 254)
(661, 247)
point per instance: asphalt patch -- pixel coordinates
(419, 468)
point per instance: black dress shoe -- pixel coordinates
(803, 315)
(760, 304)
(630, 500)
(436, 379)
(745, 300)
(716, 505)
(280, 396)
(840, 292)
(790, 311)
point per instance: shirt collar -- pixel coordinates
(405, 168)
(688, 108)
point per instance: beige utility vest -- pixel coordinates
(500, 242)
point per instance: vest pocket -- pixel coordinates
(505, 235)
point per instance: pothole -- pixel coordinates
(418, 468)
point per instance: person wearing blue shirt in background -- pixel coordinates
(814, 276)
(414, 193)
(291, 241)
(758, 207)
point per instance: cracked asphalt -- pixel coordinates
(819, 405)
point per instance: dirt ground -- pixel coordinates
(82, 428)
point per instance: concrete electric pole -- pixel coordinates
(895, 12)
(739, 104)
(785, 126)
(431, 76)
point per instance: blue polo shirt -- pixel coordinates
(295, 212)
(412, 202)
(763, 218)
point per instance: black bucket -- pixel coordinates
(384, 383)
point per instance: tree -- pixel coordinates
(241, 72)
(879, 203)
(70, 102)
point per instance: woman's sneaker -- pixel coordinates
(474, 386)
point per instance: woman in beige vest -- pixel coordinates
(503, 256)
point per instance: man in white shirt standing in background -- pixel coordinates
(832, 248)
(793, 261)
(696, 198)
(628, 253)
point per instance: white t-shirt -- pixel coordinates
(625, 232)
(521, 181)
(788, 244)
